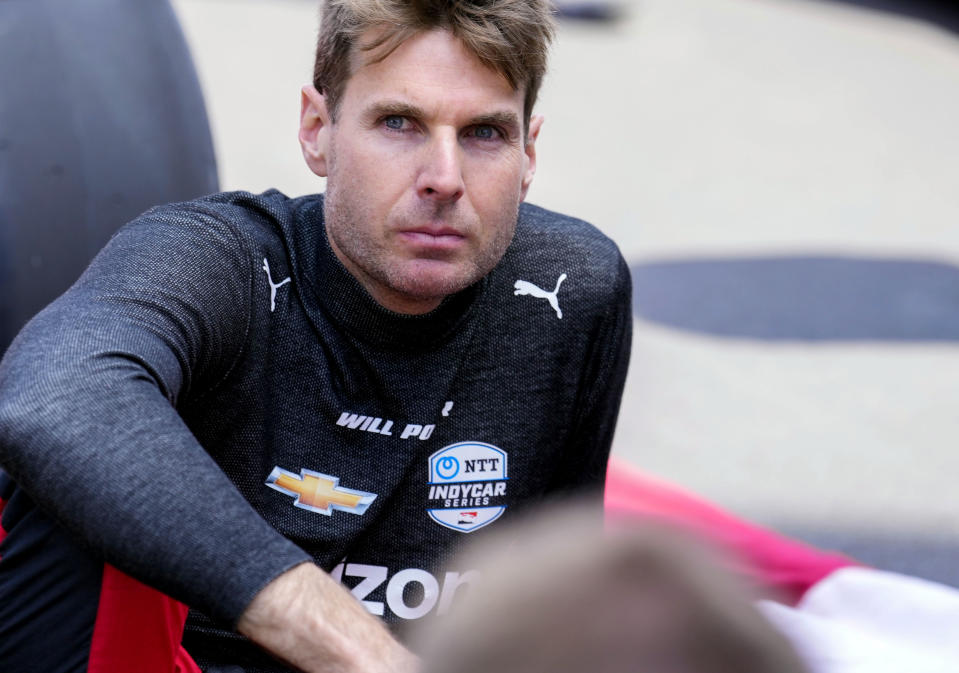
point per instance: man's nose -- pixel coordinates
(441, 172)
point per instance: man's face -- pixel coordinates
(426, 165)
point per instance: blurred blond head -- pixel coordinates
(558, 595)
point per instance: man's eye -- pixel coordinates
(485, 132)
(394, 122)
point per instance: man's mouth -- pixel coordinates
(433, 238)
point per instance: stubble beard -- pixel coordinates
(424, 279)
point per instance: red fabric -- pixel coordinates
(786, 566)
(184, 663)
(137, 629)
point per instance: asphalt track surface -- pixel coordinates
(781, 176)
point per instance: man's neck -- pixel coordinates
(397, 302)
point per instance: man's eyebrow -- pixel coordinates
(508, 120)
(391, 108)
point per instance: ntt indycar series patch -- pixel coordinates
(467, 485)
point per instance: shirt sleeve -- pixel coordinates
(603, 378)
(88, 411)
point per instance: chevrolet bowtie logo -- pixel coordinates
(319, 492)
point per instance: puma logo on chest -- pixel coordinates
(525, 287)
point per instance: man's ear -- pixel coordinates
(314, 129)
(535, 124)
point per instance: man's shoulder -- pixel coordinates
(225, 225)
(240, 210)
(547, 239)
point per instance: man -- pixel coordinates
(247, 400)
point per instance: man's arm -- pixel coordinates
(603, 378)
(312, 622)
(89, 427)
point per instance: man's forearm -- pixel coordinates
(309, 620)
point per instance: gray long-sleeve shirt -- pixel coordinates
(217, 399)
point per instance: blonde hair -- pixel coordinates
(558, 595)
(511, 37)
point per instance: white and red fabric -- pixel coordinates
(841, 616)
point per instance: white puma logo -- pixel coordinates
(525, 287)
(273, 286)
